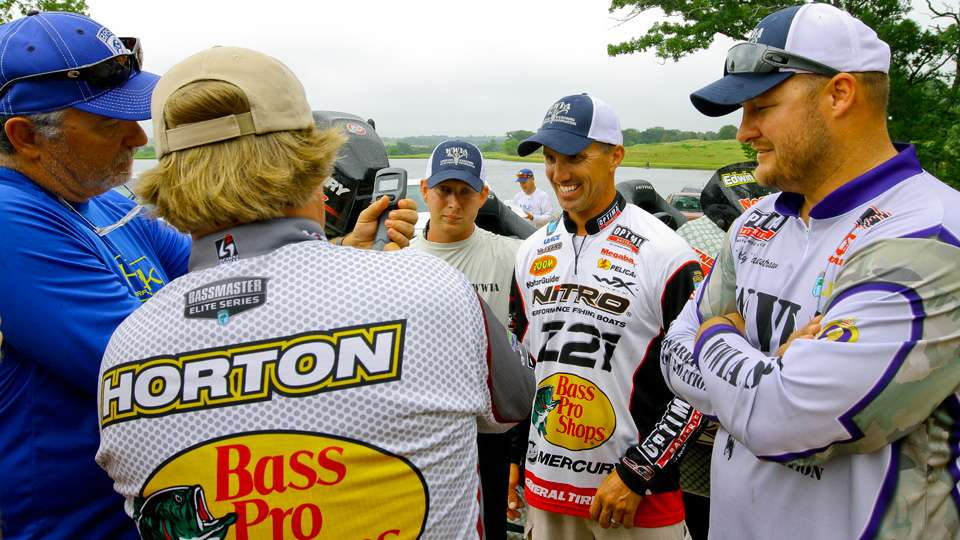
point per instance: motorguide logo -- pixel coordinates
(577, 415)
(281, 485)
(292, 366)
(558, 113)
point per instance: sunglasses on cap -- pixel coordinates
(108, 73)
(524, 176)
(759, 58)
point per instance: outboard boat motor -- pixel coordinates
(731, 191)
(642, 194)
(348, 189)
(496, 217)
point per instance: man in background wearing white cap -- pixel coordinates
(454, 190)
(825, 341)
(535, 202)
(288, 386)
(594, 293)
(77, 259)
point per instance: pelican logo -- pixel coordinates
(558, 113)
(458, 155)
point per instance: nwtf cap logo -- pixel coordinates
(559, 113)
(457, 155)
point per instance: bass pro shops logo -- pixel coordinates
(279, 485)
(573, 413)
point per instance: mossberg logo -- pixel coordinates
(581, 294)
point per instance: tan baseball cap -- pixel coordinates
(277, 99)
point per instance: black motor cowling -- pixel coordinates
(730, 191)
(642, 194)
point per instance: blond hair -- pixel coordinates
(249, 178)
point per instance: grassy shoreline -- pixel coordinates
(694, 154)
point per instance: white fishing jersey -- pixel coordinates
(289, 388)
(852, 434)
(592, 310)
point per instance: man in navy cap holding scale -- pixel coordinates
(535, 202)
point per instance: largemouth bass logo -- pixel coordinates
(179, 513)
(542, 405)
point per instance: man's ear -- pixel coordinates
(22, 137)
(485, 192)
(842, 91)
(423, 188)
(617, 155)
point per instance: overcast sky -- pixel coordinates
(435, 67)
(426, 67)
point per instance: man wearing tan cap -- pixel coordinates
(287, 386)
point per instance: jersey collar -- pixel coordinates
(861, 189)
(600, 221)
(251, 240)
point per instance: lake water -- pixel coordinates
(501, 175)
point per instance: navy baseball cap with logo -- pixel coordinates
(523, 175)
(572, 123)
(52, 61)
(810, 38)
(456, 160)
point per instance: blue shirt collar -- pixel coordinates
(858, 191)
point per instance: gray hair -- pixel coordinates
(46, 125)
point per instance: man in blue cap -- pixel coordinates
(594, 292)
(825, 339)
(78, 258)
(535, 202)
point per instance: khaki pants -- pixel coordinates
(542, 525)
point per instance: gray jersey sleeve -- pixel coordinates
(510, 378)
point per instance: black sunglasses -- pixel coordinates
(759, 58)
(108, 73)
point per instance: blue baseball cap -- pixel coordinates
(523, 175)
(456, 160)
(572, 123)
(810, 38)
(65, 46)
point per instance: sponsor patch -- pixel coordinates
(616, 283)
(226, 297)
(618, 256)
(293, 366)
(762, 226)
(542, 281)
(551, 239)
(557, 113)
(552, 226)
(608, 217)
(746, 204)
(573, 413)
(283, 484)
(624, 237)
(227, 249)
(548, 249)
(738, 178)
(355, 128)
(111, 41)
(543, 265)
(705, 260)
(842, 330)
(580, 294)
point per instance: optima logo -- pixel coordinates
(581, 294)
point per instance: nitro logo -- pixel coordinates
(624, 237)
(227, 249)
(581, 294)
(762, 225)
(292, 366)
(558, 113)
(457, 155)
(282, 485)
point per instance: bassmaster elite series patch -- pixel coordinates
(225, 297)
(293, 366)
(282, 485)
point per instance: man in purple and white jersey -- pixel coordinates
(851, 430)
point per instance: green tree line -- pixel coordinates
(924, 80)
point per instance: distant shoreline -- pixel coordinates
(694, 154)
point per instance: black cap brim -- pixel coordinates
(726, 95)
(566, 143)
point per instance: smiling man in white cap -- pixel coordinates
(825, 340)
(594, 292)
